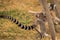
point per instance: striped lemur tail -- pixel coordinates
(51, 6)
(18, 23)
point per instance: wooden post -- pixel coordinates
(48, 15)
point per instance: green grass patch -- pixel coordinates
(49, 1)
(23, 16)
(2, 5)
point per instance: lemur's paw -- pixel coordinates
(57, 21)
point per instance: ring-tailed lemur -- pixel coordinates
(41, 19)
(18, 23)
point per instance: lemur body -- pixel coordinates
(18, 23)
(41, 19)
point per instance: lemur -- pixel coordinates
(18, 23)
(41, 19)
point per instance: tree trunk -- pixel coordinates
(48, 15)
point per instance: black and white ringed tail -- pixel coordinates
(51, 6)
(18, 23)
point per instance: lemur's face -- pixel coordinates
(37, 15)
(41, 15)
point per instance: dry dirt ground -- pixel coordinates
(19, 9)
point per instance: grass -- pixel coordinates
(9, 30)
(21, 15)
(2, 5)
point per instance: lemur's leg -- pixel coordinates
(42, 27)
(39, 34)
